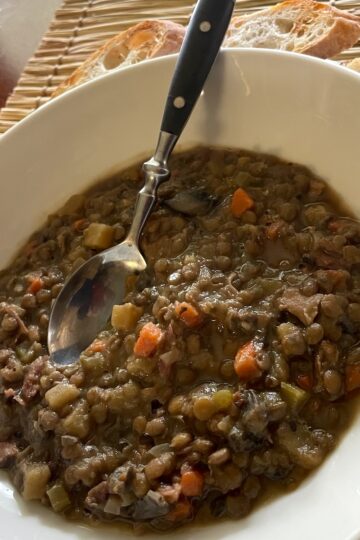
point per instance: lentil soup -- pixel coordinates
(225, 371)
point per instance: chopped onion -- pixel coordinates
(113, 505)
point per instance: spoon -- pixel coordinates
(84, 305)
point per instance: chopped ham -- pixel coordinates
(171, 494)
(31, 384)
(305, 308)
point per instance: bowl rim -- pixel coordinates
(326, 64)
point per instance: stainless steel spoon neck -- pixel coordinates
(155, 172)
(164, 147)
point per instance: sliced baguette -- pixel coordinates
(148, 39)
(353, 64)
(302, 26)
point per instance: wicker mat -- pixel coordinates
(81, 26)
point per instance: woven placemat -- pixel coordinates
(81, 26)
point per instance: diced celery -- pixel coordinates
(294, 396)
(58, 497)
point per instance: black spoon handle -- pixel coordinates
(201, 45)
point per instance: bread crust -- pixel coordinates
(153, 38)
(344, 34)
(148, 39)
(342, 28)
(354, 64)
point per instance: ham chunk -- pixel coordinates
(305, 308)
(31, 384)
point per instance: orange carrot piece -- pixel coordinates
(272, 231)
(148, 341)
(305, 381)
(79, 224)
(240, 202)
(36, 284)
(98, 345)
(352, 377)
(245, 364)
(188, 314)
(192, 483)
(181, 510)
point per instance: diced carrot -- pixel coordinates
(149, 340)
(79, 224)
(240, 202)
(98, 345)
(188, 314)
(352, 377)
(35, 285)
(272, 231)
(305, 381)
(245, 364)
(192, 483)
(181, 510)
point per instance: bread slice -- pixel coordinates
(302, 26)
(353, 64)
(147, 39)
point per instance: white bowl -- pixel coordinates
(296, 107)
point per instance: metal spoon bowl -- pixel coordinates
(84, 305)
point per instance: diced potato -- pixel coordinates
(35, 479)
(77, 423)
(125, 317)
(98, 236)
(58, 497)
(61, 395)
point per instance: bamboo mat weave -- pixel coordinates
(81, 26)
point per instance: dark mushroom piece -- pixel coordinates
(192, 203)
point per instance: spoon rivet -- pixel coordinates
(205, 26)
(179, 102)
